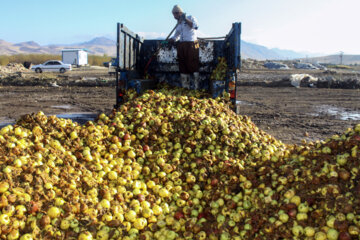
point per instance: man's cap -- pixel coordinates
(177, 8)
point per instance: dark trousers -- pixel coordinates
(188, 56)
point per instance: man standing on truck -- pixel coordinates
(187, 48)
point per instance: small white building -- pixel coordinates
(78, 57)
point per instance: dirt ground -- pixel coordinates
(292, 114)
(289, 114)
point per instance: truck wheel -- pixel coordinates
(62, 70)
(38, 70)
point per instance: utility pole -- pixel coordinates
(341, 57)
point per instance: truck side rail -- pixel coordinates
(128, 47)
(233, 57)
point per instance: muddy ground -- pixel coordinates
(290, 114)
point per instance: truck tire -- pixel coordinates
(27, 65)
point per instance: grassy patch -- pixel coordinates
(340, 66)
(33, 58)
(95, 60)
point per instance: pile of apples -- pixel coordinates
(174, 164)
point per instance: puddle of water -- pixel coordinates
(239, 102)
(80, 117)
(4, 121)
(62, 106)
(89, 78)
(350, 116)
(339, 113)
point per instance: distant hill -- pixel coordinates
(102, 41)
(288, 54)
(96, 46)
(335, 59)
(259, 52)
(29, 43)
(103, 45)
(254, 51)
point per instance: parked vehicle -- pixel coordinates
(275, 65)
(111, 66)
(111, 62)
(52, 66)
(304, 66)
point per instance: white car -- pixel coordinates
(52, 66)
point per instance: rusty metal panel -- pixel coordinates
(169, 54)
(166, 60)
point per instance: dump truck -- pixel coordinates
(137, 68)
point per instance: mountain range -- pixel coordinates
(96, 46)
(106, 46)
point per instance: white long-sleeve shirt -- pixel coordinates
(185, 33)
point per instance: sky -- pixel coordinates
(314, 26)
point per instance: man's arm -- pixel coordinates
(191, 21)
(175, 36)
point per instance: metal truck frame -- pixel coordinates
(133, 54)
